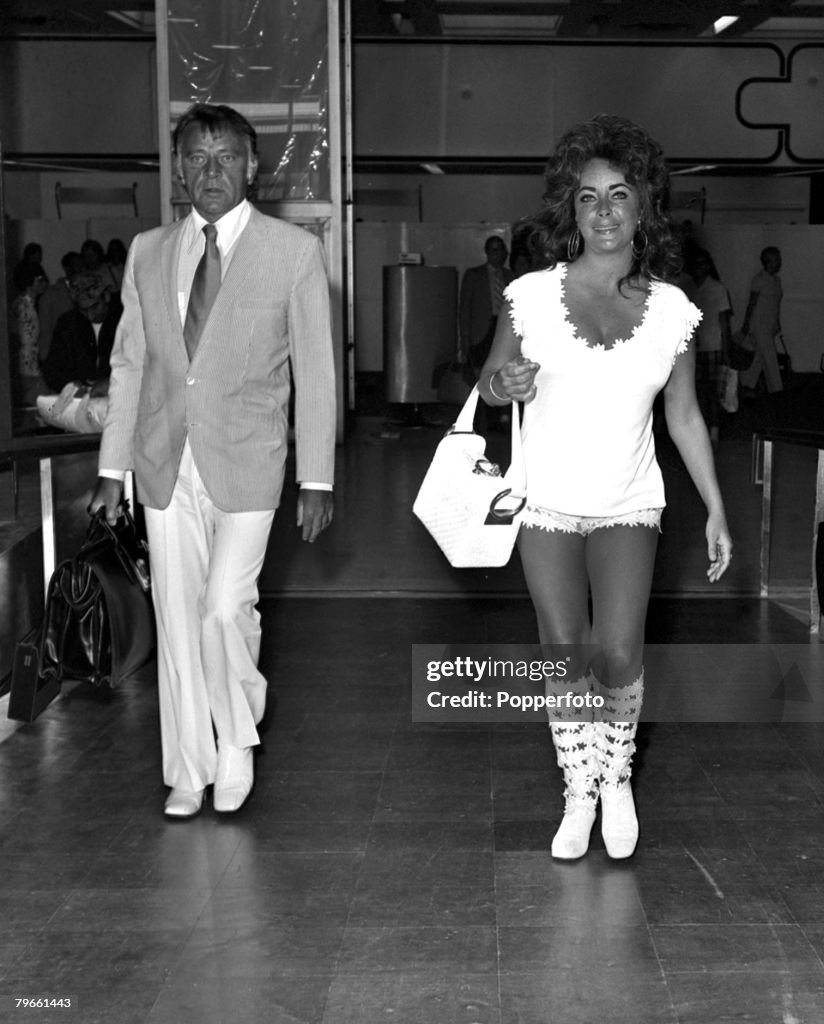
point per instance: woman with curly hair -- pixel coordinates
(587, 343)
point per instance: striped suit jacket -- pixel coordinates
(272, 311)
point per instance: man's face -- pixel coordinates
(216, 170)
(90, 257)
(496, 253)
(96, 311)
(772, 262)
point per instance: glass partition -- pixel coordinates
(271, 62)
(279, 63)
(7, 363)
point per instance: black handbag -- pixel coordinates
(740, 353)
(785, 363)
(98, 627)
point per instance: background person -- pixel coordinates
(24, 325)
(56, 300)
(83, 337)
(482, 290)
(94, 262)
(712, 335)
(198, 408)
(587, 343)
(116, 253)
(762, 321)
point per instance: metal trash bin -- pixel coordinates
(420, 329)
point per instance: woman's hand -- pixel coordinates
(515, 380)
(719, 546)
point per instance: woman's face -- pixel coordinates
(606, 208)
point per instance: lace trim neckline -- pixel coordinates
(618, 342)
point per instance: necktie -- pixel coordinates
(497, 291)
(204, 289)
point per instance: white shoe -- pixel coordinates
(615, 745)
(619, 822)
(183, 803)
(571, 841)
(573, 742)
(234, 778)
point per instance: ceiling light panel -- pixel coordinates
(504, 26)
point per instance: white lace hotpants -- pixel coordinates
(547, 519)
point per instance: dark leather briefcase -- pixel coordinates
(31, 689)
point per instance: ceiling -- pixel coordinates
(482, 20)
(467, 19)
(586, 19)
(56, 18)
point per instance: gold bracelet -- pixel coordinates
(492, 391)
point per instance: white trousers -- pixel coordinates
(205, 566)
(766, 360)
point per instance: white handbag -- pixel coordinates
(468, 506)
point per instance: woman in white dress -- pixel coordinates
(587, 343)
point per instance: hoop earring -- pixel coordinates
(574, 246)
(639, 251)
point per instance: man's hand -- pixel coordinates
(109, 495)
(315, 510)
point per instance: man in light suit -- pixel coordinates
(201, 417)
(481, 298)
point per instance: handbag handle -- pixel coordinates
(136, 569)
(515, 476)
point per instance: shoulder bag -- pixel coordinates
(466, 504)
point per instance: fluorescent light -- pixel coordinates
(433, 168)
(724, 22)
(697, 169)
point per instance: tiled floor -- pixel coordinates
(385, 870)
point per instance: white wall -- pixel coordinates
(451, 198)
(77, 96)
(456, 198)
(430, 100)
(734, 247)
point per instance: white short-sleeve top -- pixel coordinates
(588, 442)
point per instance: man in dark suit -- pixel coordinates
(481, 298)
(56, 300)
(216, 308)
(82, 339)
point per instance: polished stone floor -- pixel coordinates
(388, 870)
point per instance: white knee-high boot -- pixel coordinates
(573, 736)
(615, 745)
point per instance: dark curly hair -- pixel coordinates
(626, 146)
